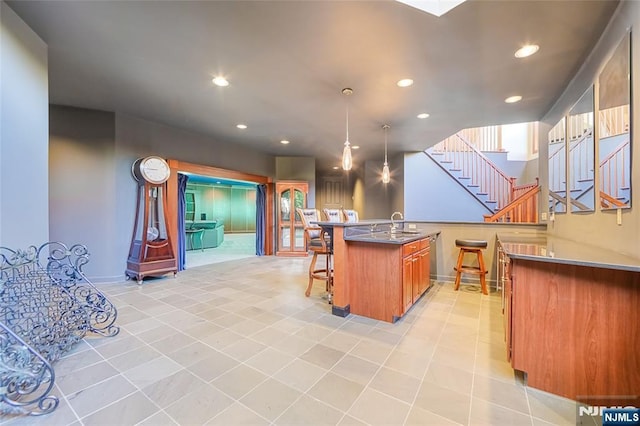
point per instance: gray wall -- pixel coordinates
(24, 134)
(298, 168)
(600, 228)
(83, 197)
(93, 195)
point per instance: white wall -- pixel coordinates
(24, 134)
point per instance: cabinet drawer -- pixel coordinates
(410, 248)
(424, 243)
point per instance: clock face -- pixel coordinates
(154, 170)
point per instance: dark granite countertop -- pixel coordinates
(545, 248)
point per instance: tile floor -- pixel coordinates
(238, 343)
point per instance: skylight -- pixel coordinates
(434, 7)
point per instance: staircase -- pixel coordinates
(476, 173)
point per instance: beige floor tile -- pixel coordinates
(371, 350)
(309, 411)
(83, 378)
(444, 402)
(376, 408)
(173, 342)
(243, 349)
(356, 369)
(551, 408)
(501, 393)
(452, 378)
(322, 356)
(247, 327)
(351, 421)
(271, 398)
(99, 395)
(300, 375)
(421, 417)
(294, 346)
(413, 364)
(269, 361)
(127, 411)
(197, 408)
(170, 389)
(396, 384)
(157, 369)
(486, 413)
(336, 391)
(190, 354)
(76, 361)
(222, 339)
(238, 414)
(239, 381)
(132, 359)
(213, 366)
(340, 341)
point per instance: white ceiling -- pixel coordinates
(288, 61)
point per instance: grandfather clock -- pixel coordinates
(151, 252)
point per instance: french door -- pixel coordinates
(290, 195)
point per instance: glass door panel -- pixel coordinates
(290, 238)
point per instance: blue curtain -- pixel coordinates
(182, 244)
(261, 218)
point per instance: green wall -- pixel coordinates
(236, 206)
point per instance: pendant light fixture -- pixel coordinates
(347, 162)
(385, 168)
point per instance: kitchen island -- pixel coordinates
(379, 272)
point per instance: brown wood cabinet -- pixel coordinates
(573, 329)
(385, 280)
(415, 271)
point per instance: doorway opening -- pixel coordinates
(220, 220)
(262, 224)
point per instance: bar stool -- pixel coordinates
(475, 247)
(319, 242)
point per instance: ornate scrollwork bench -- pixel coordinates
(47, 305)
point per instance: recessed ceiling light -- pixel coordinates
(513, 99)
(241, 126)
(355, 146)
(220, 81)
(527, 50)
(423, 115)
(284, 142)
(335, 167)
(405, 82)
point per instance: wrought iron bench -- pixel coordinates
(47, 305)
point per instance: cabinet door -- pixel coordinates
(418, 278)
(508, 313)
(424, 267)
(407, 282)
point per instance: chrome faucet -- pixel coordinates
(394, 225)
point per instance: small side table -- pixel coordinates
(198, 233)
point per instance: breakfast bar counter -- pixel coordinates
(379, 270)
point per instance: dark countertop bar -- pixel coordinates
(379, 231)
(545, 248)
